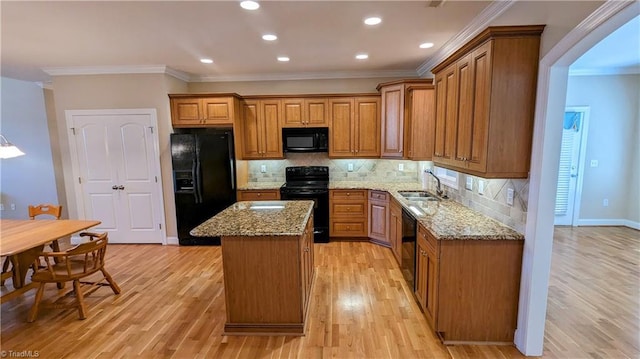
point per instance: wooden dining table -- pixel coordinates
(22, 240)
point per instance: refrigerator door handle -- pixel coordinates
(233, 170)
(196, 181)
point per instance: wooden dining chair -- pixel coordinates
(41, 210)
(74, 264)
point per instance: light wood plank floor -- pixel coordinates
(172, 306)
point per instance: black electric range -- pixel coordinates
(310, 183)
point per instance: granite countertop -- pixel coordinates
(258, 218)
(260, 185)
(445, 219)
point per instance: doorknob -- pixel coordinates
(114, 187)
(121, 187)
(574, 176)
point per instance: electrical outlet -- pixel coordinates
(1, 206)
(594, 163)
(350, 167)
(263, 168)
(510, 196)
(480, 187)
(469, 184)
(605, 202)
(13, 206)
(400, 166)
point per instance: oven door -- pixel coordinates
(320, 209)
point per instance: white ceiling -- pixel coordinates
(40, 38)
(616, 53)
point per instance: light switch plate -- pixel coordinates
(263, 168)
(594, 163)
(400, 166)
(480, 187)
(510, 196)
(350, 167)
(469, 185)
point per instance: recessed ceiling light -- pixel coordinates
(426, 45)
(283, 58)
(372, 20)
(362, 56)
(249, 5)
(206, 61)
(269, 37)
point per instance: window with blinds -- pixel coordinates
(570, 133)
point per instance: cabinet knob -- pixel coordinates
(348, 194)
(259, 194)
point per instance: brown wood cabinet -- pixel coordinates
(395, 229)
(258, 195)
(379, 217)
(270, 296)
(348, 213)
(305, 112)
(485, 101)
(408, 119)
(354, 127)
(203, 110)
(469, 289)
(260, 133)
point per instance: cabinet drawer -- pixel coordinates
(346, 209)
(378, 195)
(259, 195)
(348, 229)
(428, 240)
(344, 194)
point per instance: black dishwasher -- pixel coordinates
(408, 248)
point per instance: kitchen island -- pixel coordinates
(267, 255)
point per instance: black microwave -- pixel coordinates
(308, 139)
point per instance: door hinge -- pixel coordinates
(159, 225)
(73, 129)
(79, 180)
(151, 128)
(156, 179)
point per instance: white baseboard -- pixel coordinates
(609, 222)
(172, 241)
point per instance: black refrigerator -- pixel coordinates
(204, 179)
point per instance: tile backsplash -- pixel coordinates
(492, 203)
(363, 169)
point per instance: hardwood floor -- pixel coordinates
(594, 294)
(172, 306)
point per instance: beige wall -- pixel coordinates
(614, 103)
(326, 86)
(117, 92)
(560, 17)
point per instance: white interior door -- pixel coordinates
(571, 162)
(117, 165)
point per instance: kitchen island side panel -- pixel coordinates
(263, 284)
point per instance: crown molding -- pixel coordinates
(115, 70)
(307, 76)
(607, 71)
(472, 29)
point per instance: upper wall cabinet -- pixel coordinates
(408, 119)
(259, 131)
(203, 110)
(485, 101)
(305, 112)
(354, 127)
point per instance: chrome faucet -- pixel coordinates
(439, 190)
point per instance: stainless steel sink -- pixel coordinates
(418, 196)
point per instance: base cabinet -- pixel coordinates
(379, 217)
(469, 289)
(258, 195)
(395, 229)
(348, 213)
